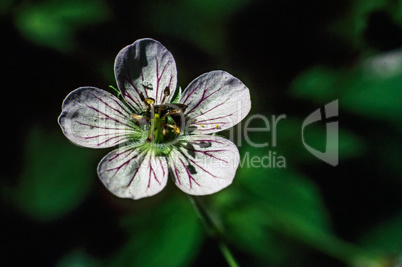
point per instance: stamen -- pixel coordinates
(138, 118)
(179, 111)
(149, 101)
(162, 121)
(151, 138)
(176, 129)
(142, 97)
(166, 93)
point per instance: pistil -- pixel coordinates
(161, 121)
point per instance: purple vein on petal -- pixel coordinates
(209, 110)
(157, 78)
(190, 94)
(176, 174)
(136, 90)
(121, 153)
(102, 135)
(214, 122)
(207, 129)
(121, 106)
(207, 153)
(137, 169)
(196, 164)
(118, 168)
(104, 114)
(135, 101)
(132, 178)
(163, 169)
(170, 85)
(109, 106)
(203, 98)
(98, 127)
(207, 120)
(152, 171)
(190, 177)
(122, 138)
(142, 79)
(128, 79)
(199, 102)
(207, 141)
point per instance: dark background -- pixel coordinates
(295, 57)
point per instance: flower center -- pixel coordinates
(162, 122)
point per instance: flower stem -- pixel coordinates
(227, 254)
(213, 230)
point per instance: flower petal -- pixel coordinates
(204, 164)
(215, 101)
(145, 67)
(133, 172)
(94, 118)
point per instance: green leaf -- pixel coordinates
(54, 23)
(371, 89)
(375, 90)
(56, 178)
(319, 83)
(291, 195)
(5, 6)
(269, 206)
(386, 237)
(78, 259)
(285, 141)
(394, 8)
(167, 236)
(353, 23)
(200, 22)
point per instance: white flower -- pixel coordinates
(155, 135)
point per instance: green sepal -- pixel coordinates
(116, 91)
(178, 96)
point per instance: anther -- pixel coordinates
(149, 101)
(136, 117)
(176, 129)
(166, 93)
(141, 120)
(142, 97)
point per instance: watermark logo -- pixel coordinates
(330, 155)
(258, 131)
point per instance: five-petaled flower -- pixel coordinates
(155, 135)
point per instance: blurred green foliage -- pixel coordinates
(200, 22)
(54, 23)
(56, 177)
(266, 214)
(78, 259)
(374, 83)
(353, 25)
(170, 234)
(269, 216)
